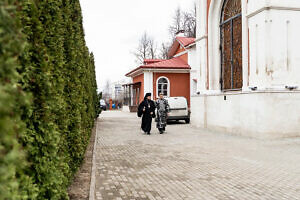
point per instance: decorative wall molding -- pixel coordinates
(271, 8)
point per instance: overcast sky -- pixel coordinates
(113, 29)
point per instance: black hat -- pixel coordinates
(147, 95)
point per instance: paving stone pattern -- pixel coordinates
(191, 163)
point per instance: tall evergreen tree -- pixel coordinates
(40, 61)
(14, 183)
(48, 100)
(73, 52)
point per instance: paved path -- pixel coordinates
(190, 163)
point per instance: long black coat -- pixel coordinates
(147, 116)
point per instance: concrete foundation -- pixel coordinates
(252, 114)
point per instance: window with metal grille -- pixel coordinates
(163, 86)
(231, 45)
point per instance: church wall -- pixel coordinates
(274, 44)
(195, 69)
(257, 115)
(272, 111)
(201, 44)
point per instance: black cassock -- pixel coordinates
(149, 107)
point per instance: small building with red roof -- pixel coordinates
(170, 77)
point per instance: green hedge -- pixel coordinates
(48, 98)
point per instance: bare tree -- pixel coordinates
(146, 49)
(151, 48)
(142, 51)
(184, 22)
(177, 24)
(164, 50)
(189, 22)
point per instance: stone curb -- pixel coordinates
(93, 174)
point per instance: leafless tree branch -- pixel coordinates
(184, 21)
(164, 49)
(146, 49)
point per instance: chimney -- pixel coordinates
(180, 33)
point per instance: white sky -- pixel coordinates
(114, 27)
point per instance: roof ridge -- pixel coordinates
(173, 63)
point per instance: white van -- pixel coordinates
(179, 109)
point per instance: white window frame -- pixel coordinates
(168, 88)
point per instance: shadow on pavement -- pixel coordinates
(174, 122)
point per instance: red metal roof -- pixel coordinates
(180, 41)
(174, 63)
(171, 63)
(185, 41)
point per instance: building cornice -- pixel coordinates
(241, 92)
(271, 8)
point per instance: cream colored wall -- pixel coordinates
(259, 115)
(272, 111)
(195, 69)
(274, 29)
(201, 44)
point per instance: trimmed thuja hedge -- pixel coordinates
(48, 98)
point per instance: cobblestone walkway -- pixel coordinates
(190, 163)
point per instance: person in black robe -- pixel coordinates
(146, 110)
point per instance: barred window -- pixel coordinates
(163, 86)
(231, 45)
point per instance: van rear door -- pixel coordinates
(178, 106)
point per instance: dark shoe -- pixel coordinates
(148, 133)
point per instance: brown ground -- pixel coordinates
(80, 187)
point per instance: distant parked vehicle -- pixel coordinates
(102, 104)
(179, 109)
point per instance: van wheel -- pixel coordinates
(187, 121)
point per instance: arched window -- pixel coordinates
(163, 86)
(231, 45)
